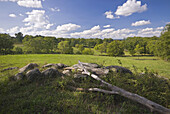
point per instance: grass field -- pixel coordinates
(53, 96)
(151, 63)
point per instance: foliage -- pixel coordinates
(163, 46)
(88, 51)
(80, 48)
(19, 37)
(65, 48)
(39, 44)
(18, 50)
(115, 48)
(54, 96)
(138, 49)
(102, 48)
(6, 44)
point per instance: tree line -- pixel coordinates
(157, 46)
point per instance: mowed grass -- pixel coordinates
(151, 63)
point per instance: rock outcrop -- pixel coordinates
(34, 75)
(28, 67)
(51, 73)
(118, 69)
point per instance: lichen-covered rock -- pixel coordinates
(99, 71)
(67, 72)
(49, 65)
(51, 73)
(119, 69)
(86, 65)
(19, 76)
(30, 66)
(61, 66)
(34, 75)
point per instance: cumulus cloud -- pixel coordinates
(106, 26)
(160, 28)
(109, 15)
(30, 3)
(140, 23)
(12, 15)
(2, 30)
(13, 30)
(37, 19)
(96, 32)
(130, 7)
(27, 3)
(67, 27)
(149, 32)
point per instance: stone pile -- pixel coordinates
(32, 73)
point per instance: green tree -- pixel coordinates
(6, 44)
(65, 48)
(19, 37)
(163, 46)
(88, 51)
(102, 48)
(139, 49)
(115, 48)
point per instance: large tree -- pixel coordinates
(6, 44)
(65, 48)
(115, 48)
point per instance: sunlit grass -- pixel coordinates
(152, 63)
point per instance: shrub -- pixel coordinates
(88, 51)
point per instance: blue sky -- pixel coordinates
(84, 18)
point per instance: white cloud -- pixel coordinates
(13, 30)
(27, 3)
(21, 15)
(49, 26)
(140, 23)
(130, 7)
(160, 28)
(55, 9)
(67, 27)
(37, 19)
(12, 15)
(30, 3)
(106, 26)
(2, 30)
(96, 32)
(109, 15)
(149, 32)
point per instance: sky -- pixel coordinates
(115, 19)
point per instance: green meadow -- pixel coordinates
(150, 63)
(54, 96)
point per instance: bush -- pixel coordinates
(18, 50)
(88, 51)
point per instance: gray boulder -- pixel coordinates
(86, 65)
(49, 65)
(99, 71)
(119, 69)
(19, 76)
(30, 66)
(67, 72)
(61, 66)
(51, 73)
(33, 75)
